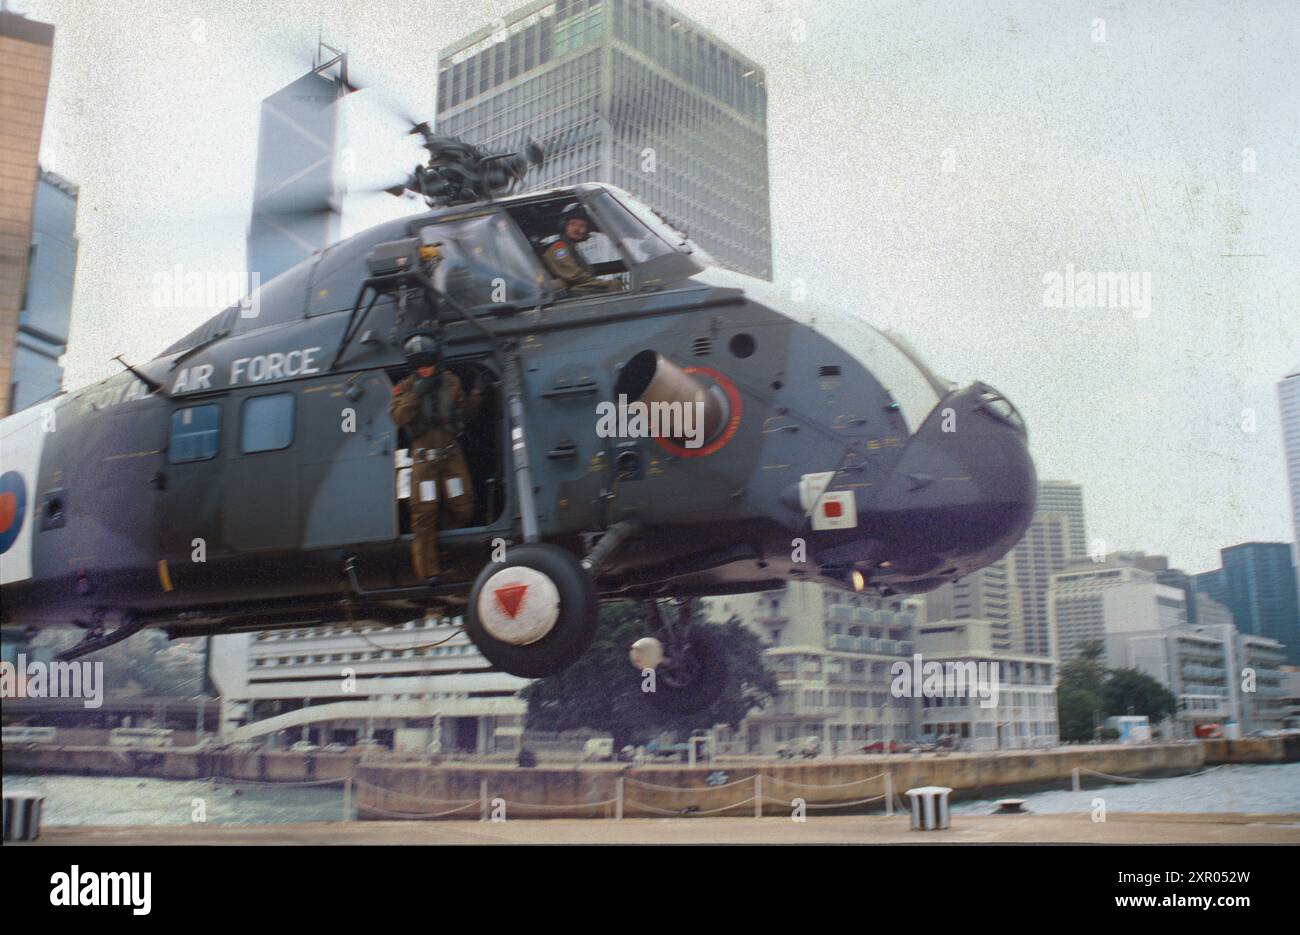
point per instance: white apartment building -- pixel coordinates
(831, 651)
(1265, 708)
(1193, 663)
(1021, 715)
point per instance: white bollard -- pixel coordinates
(22, 816)
(1074, 778)
(889, 795)
(929, 807)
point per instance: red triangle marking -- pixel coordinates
(509, 597)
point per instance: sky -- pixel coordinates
(933, 165)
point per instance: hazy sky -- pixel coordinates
(931, 162)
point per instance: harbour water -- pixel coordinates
(114, 800)
(1254, 788)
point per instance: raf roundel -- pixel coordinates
(519, 605)
(13, 508)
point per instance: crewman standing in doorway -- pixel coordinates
(432, 406)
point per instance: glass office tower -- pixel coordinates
(629, 92)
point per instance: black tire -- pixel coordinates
(573, 630)
(694, 680)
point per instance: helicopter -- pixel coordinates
(249, 477)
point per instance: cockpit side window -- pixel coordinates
(639, 241)
(486, 260)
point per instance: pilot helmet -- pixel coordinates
(422, 348)
(575, 212)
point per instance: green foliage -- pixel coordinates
(1089, 693)
(1077, 709)
(1129, 691)
(601, 691)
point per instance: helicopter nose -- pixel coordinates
(960, 497)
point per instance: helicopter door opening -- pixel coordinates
(543, 222)
(480, 441)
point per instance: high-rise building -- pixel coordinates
(1055, 496)
(629, 92)
(1042, 551)
(1095, 602)
(1258, 584)
(1055, 539)
(988, 594)
(295, 189)
(1288, 397)
(47, 301)
(26, 47)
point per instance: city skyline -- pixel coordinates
(1170, 421)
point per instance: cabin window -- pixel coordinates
(267, 423)
(196, 434)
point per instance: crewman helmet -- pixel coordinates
(422, 348)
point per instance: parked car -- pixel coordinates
(336, 748)
(806, 747)
(304, 746)
(881, 746)
(665, 746)
(599, 748)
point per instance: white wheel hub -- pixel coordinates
(519, 605)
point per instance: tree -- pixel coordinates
(1079, 694)
(1129, 691)
(601, 691)
(1086, 670)
(1076, 712)
(1088, 690)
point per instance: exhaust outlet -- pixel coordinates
(650, 377)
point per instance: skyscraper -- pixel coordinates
(47, 299)
(1055, 496)
(1054, 540)
(26, 48)
(629, 92)
(1288, 398)
(988, 594)
(295, 189)
(1258, 584)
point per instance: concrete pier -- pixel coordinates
(1126, 828)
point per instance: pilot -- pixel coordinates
(432, 406)
(566, 264)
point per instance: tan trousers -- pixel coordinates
(440, 490)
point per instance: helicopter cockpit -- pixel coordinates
(492, 254)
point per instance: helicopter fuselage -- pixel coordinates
(232, 497)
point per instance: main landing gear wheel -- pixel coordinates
(690, 666)
(533, 614)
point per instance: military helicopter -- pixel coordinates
(249, 477)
